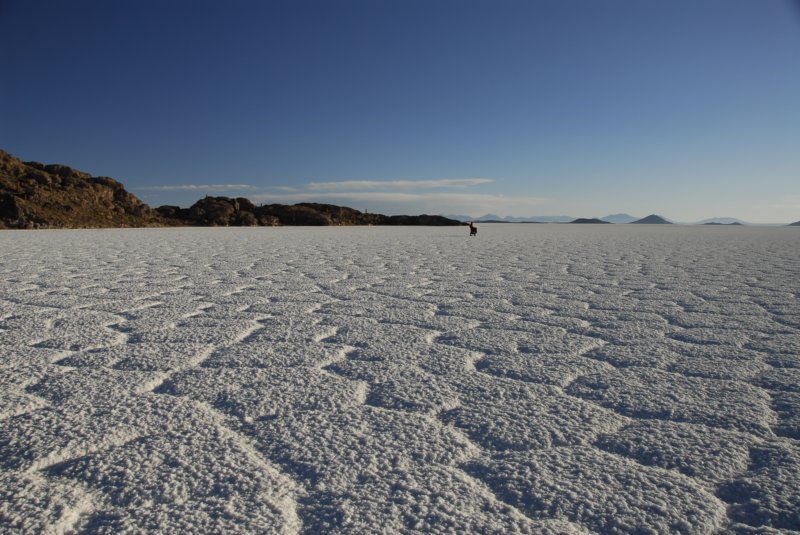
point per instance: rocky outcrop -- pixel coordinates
(217, 212)
(225, 211)
(590, 221)
(318, 214)
(651, 220)
(34, 195)
(424, 219)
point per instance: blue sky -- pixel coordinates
(686, 108)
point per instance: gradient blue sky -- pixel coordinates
(686, 108)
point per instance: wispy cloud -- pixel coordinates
(414, 203)
(197, 187)
(288, 189)
(436, 196)
(348, 185)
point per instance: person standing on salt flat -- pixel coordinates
(473, 230)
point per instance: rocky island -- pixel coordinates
(36, 196)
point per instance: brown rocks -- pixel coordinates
(35, 195)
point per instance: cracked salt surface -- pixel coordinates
(539, 379)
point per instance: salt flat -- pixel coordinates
(534, 379)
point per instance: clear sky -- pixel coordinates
(685, 108)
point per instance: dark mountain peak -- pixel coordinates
(588, 221)
(619, 218)
(722, 221)
(652, 219)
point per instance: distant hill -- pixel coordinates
(34, 195)
(226, 211)
(491, 217)
(795, 224)
(486, 218)
(651, 220)
(460, 217)
(548, 219)
(619, 218)
(735, 223)
(722, 221)
(592, 221)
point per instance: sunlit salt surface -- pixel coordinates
(532, 379)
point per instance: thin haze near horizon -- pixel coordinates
(685, 108)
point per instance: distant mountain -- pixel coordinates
(493, 217)
(619, 218)
(592, 221)
(795, 224)
(549, 219)
(735, 223)
(500, 219)
(460, 217)
(651, 220)
(722, 221)
(514, 219)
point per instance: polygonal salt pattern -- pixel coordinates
(645, 353)
(769, 493)
(781, 343)
(787, 407)
(400, 387)
(708, 455)
(554, 368)
(45, 436)
(351, 442)
(32, 503)
(783, 360)
(713, 336)
(782, 379)
(428, 499)
(264, 393)
(614, 325)
(432, 357)
(13, 402)
(719, 362)
(87, 385)
(569, 482)
(25, 326)
(257, 353)
(153, 483)
(654, 394)
(761, 322)
(538, 379)
(531, 338)
(197, 330)
(502, 414)
(80, 330)
(744, 529)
